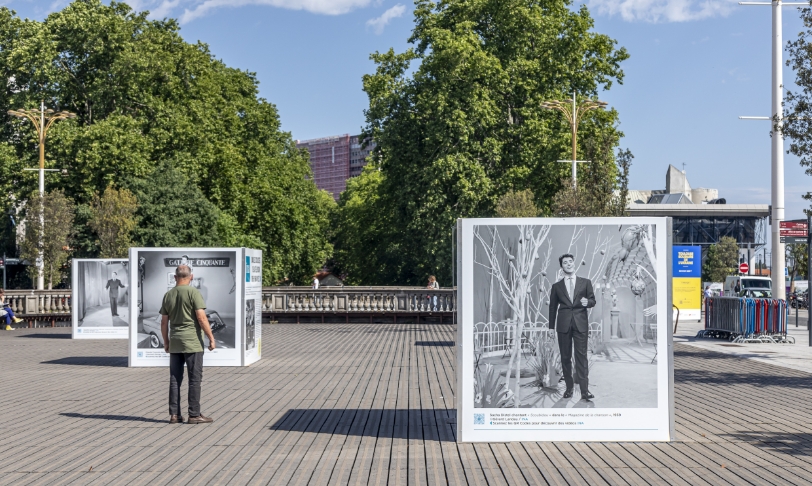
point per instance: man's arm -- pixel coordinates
(120, 284)
(165, 331)
(204, 324)
(590, 294)
(108, 285)
(553, 308)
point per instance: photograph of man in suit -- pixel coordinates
(570, 298)
(113, 284)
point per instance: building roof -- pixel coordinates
(700, 210)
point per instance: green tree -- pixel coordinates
(149, 103)
(797, 122)
(464, 126)
(597, 194)
(48, 227)
(722, 260)
(517, 204)
(113, 220)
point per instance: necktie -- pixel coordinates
(570, 289)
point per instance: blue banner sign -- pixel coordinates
(687, 261)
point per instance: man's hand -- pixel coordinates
(584, 302)
(166, 348)
(204, 324)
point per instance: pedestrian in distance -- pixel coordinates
(6, 313)
(315, 282)
(183, 321)
(570, 298)
(433, 285)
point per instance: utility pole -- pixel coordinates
(777, 147)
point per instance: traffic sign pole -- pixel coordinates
(808, 277)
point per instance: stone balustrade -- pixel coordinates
(25, 303)
(56, 304)
(379, 300)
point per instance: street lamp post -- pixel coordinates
(43, 120)
(574, 113)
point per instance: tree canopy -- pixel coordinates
(722, 260)
(458, 123)
(162, 118)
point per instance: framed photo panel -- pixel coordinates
(101, 298)
(564, 330)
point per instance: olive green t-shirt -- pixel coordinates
(180, 304)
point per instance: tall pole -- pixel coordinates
(40, 258)
(574, 140)
(809, 277)
(777, 115)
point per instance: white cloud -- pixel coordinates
(663, 10)
(379, 23)
(327, 7)
(193, 9)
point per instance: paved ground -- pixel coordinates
(365, 404)
(796, 356)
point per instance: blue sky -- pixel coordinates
(695, 66)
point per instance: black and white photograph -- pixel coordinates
(213, 275)
(565, 316)
(564, 327)
(102, 297)
(250, 324)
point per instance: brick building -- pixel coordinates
(333, 160)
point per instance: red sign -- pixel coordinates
(796, 225)
(744, 268)
(793, 232)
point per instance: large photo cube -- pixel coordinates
(220, 276)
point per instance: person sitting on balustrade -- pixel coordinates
(6, 312)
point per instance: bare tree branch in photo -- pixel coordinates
(515, 282)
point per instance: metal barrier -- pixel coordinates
(746, 320)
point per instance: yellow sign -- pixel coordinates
(687, 293)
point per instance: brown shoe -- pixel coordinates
(200, 419)
(176, 419)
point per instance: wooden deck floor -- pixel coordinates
(365, 404)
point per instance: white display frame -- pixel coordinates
(252, 291)
(234, 356)
(79, 332)
(568, 424)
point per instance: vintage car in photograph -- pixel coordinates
(152, 326)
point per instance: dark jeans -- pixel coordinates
(566, 340)
(194, 363)
(9, 314)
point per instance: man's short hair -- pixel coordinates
(562, 257)
(183, 271)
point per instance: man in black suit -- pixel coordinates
(570, 298)
(113, 284)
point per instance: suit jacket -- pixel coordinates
(567, 313)
(114, 285)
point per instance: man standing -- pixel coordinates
(113, 284)
(570, 298)
(184, 313)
